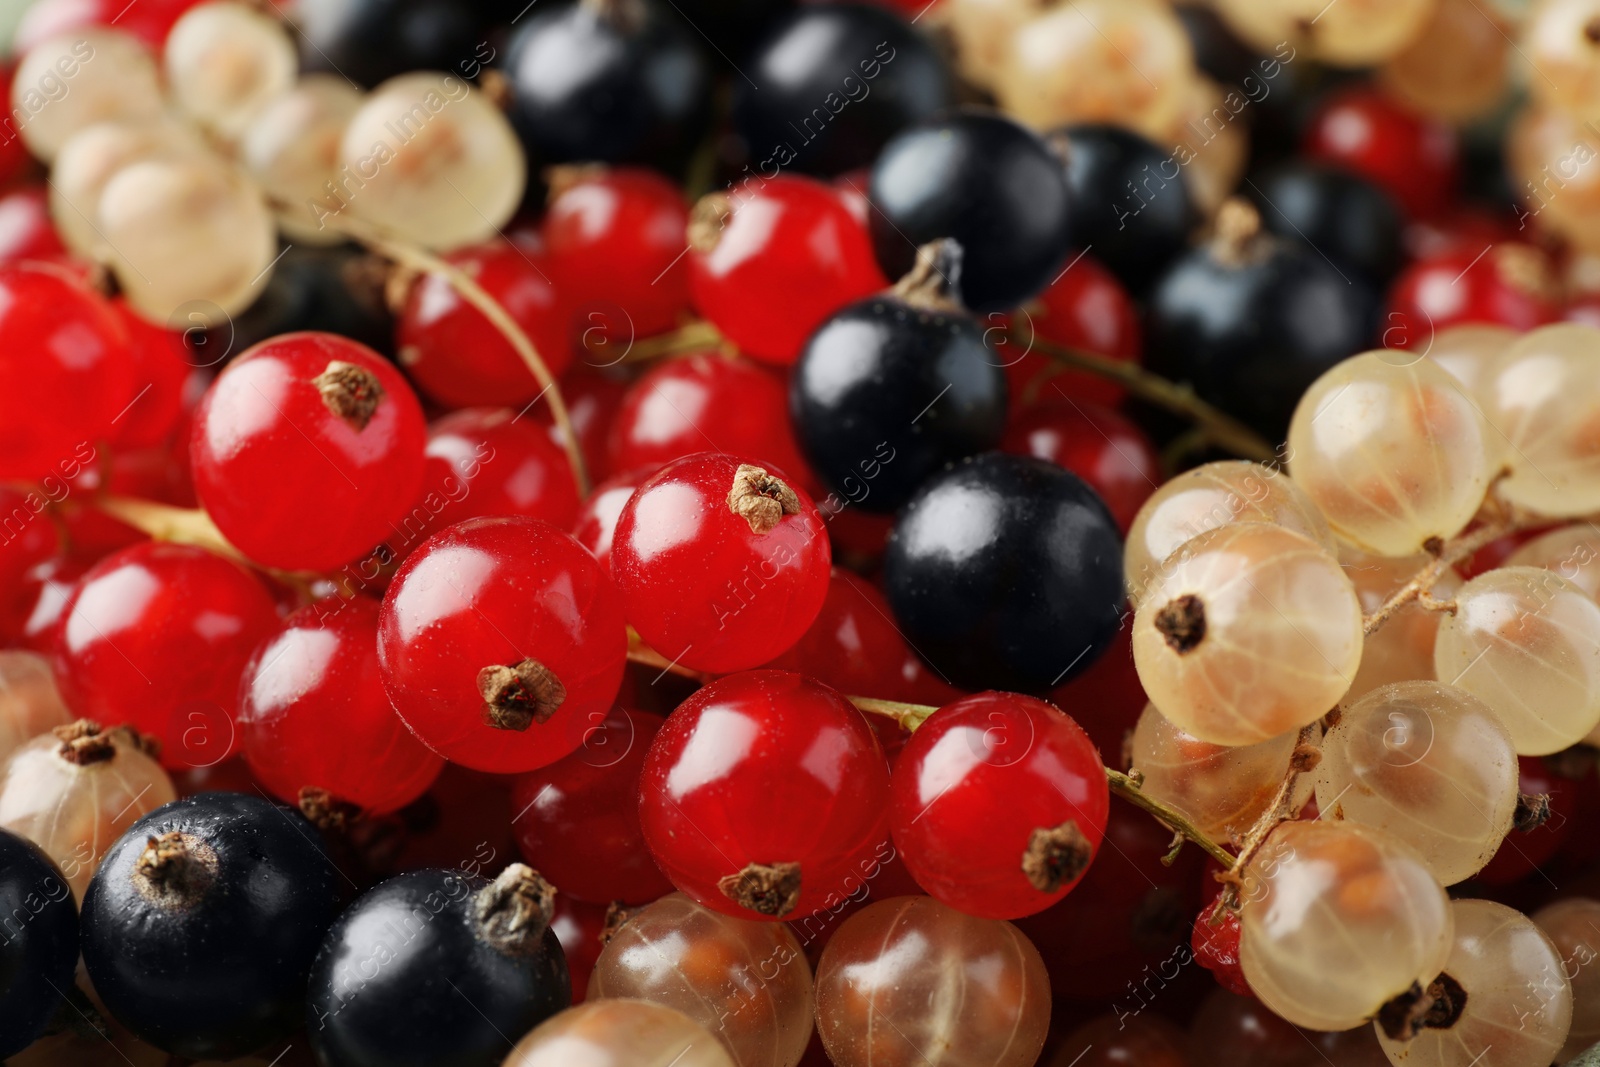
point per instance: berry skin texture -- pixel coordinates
(721, 564)
(39, 955)
(306, 449)
(499, 639)
(1006, 572)
(999, 805)
(597, 518)
(436, 967)
(65, 370)
(577, 820)
(456, 357)
(853, 645)
(1364, 130)
(740, 814)
(202, 922)
(313, 713)
(772, 259)
(1215, 943)
(157, 636)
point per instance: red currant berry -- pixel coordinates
(160, 377)
(149, 20)
(597, 518)
(721, 564)
(763, 796)
(1367, 131)
(456, 356)
(28, 536)
(1107, 699)
(853, 645)
(157, 636)
(313, 713)
(773, 259)
(1085, 308)
(593, 399)
(65, 370)
(705, 403)
(579, 927)
(26, 231)
(1523, 852)
(499, 639)
(1506, 285)
(1103, 448)
(1215, 942)
(34, 617)
(1000, 802)
(577, 821)
(616, 244)
(306, 449)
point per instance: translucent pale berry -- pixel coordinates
(1537, 395)
(722, 564)
(306, 449)
(620, 1033)
(1573, 926)
(1401, 650)
(766, 795)
(498, 639)
(1000, 804)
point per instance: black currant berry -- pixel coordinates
(436, 967)
(892, 388)
(732, 26)
(1005, 572)
(337, 289)
(1131, 205)
(831, 84)
(1332, 211)
(990, 184)
(1251, 320)
(38, 941)
(606, 81)
(369, 41)
(200, 926)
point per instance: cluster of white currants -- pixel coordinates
(1265, 602)
(177, 171)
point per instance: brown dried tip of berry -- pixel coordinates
(1056, 856)
(707, 219)
(515, 909)
(771, 889)
(1183, 623)
(934, 281)
(84, 742)
(323, 811)
(1417, 1009)
(516, 697)
(1237, 231)
(617, 916)
(353, 393)
(1533, 811)
(1305, 758)
(761, 499)
(174, 869)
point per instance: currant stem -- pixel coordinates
(1420, 587)
(163, 522)
(1305, 757)
(1127, 788)
(699, 336)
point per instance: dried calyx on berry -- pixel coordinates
(934, 282)
(516, 697)
(351, 392)
(760, 498)
(514, 910)
(85, 741)
(1056, 856)
(771, 889)
(1436, 1008)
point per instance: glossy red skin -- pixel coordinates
(616, 244)
(766, 767)
(498, 591)
(593, 398)
(1243, 1032)
(1493, 555)
(790, 255)
(33, 615)
(157, 636)
(1085, 308)
(1467, 226)
(148, 20)
(597, 516)
(972, 785)
(1215, 942)
(705, 403)
(160, 374)
(26, 231)
(699, 585)
(456, 356)
(1125, 1038)
(1128, 918)
(28, 537)
(578, 926)
(577, 821)
(313, 713)
(288, 482)
(65, 371)
(1485, 284)
(1415, 159)
(1520, 854)
(1108, 451)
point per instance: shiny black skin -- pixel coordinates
(227, 974)
(833, 82)
(1343, 216)
(38, 941)
(1252, 335)
(368, 41)
(405, 980)
(885, 394)
(1131, 204)
(333, 289)
(982, 179)
(589, 87)
(1005, 572)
